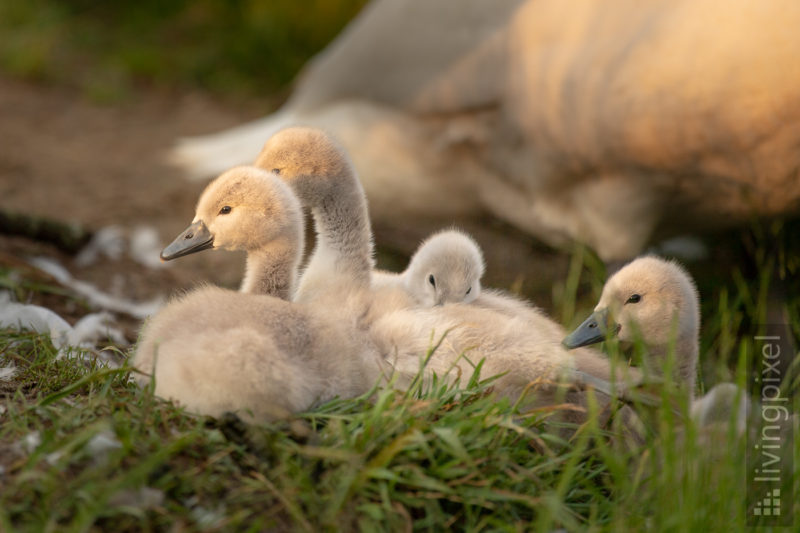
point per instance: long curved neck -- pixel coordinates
(273, 269)
(344, 237)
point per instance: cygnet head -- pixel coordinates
(447, 268)
(649, 300)
(245, 208)
(308, 159)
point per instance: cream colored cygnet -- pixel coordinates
(214, 350)
(249, 209)
(655, 302)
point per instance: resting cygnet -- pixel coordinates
(652, 301)
(322, 176)
(249, 209)
(341, 265)
(215, 350)
(526, 347)
(446, 268)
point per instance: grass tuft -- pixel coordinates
(435, 456)
(83, 448)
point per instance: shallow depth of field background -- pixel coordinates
(91, 95)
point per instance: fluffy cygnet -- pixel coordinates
(653, 301)
(249, 209)
(446, 268)
(322, 176)
(215, 350)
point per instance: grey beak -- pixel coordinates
(193, 239)
(594, 329)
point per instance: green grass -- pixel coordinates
(109, 49)
(431, 458)
(426, 459)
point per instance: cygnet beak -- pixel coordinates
(193, 239)
(594, 329)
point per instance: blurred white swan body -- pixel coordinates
(456, 108)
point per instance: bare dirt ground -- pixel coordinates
(69, 159)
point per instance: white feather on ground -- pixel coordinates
(145, 247)
(88, 331)
(142, 244)
(143, 498)
(34, 318)
(108, 242)
(95, 296)
(97, 448)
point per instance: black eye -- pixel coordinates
(432, 280)
(276, 170)
(469, 290)
(634, 299)
(225, 210)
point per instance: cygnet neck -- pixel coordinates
(685, 358)
(272, 269)
(344, 234)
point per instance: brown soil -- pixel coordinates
(68, 159)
